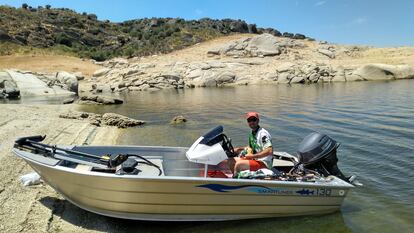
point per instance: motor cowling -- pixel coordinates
(317, 151)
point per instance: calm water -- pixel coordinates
(374, 121)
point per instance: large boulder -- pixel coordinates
(297, 79)
(110, 119)
(69, 81)
(382, 72)
(75, 115)
(264, 44)
(101, 72)
(327, 53)
(99, 99)
(11, 90)
(108, 100)
(226, 77)
(284, 77)
(31, 84)
(260, 45)
(8, 88)
(79, 76)
(178, 120)
(299, 36)
(120, 121)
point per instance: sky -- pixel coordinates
(379, 23)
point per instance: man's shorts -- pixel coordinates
(255, 164)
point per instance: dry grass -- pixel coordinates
(48, 63)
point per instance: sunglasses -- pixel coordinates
(252, 119)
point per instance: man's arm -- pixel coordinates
(238, 150)
(263, 153)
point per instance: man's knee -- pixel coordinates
(241, 165)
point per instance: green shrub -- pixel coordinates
(63, 39)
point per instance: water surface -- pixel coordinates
(374, 121)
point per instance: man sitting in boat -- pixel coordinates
(259, 153)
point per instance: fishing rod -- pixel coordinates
(34, 143)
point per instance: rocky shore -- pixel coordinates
(251, 59)
(16, 83)
(235, 60)
(37, 208)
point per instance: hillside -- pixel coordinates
(252, 59)
(64, 31)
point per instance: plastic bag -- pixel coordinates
(30, 179)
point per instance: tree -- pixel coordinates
(92, 17)
(25, 6)
(48, 7)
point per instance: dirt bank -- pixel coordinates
(39, 208)
(48, 63)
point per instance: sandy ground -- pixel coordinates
(48, 63)
(39, 208)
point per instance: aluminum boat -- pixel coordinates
(175, 183)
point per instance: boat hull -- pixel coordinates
(189, 198)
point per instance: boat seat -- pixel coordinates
(147, 170)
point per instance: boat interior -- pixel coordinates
(172, 161)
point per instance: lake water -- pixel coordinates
(374, 121)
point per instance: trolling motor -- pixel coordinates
(317, 152)
(211, 148)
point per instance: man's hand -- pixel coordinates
(249, 156)
(238, 150)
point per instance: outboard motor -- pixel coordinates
(318, 152)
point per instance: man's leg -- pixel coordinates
(231, 162)
(241, 165)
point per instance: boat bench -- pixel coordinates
(147, 170)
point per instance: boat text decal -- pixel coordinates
(266, 190)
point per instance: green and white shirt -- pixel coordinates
(260, 140)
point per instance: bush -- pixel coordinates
(129, 52)
(137, 34)
(99, 55)
(147, 36)
(63, 39)
(92, 17)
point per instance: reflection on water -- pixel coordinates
(37, 100)
(374, 121)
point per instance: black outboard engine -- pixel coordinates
(318, 152)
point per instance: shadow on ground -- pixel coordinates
(87, 220)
